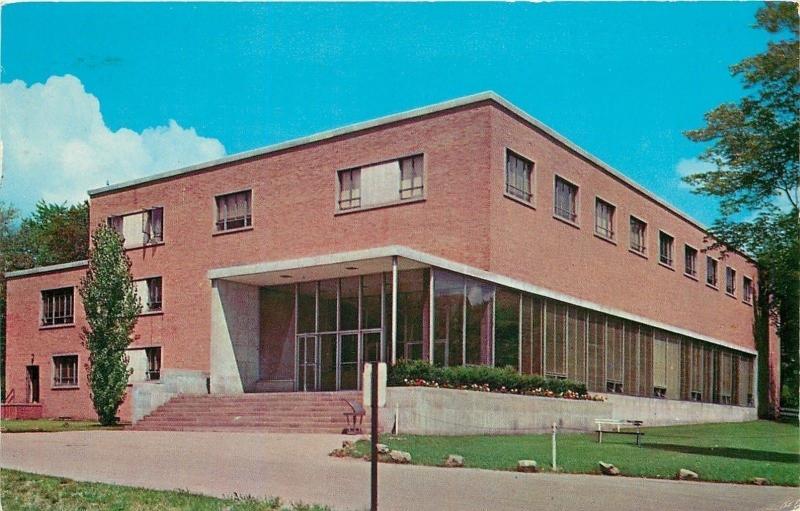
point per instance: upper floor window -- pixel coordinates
(747, 289)
(711, 271)
(730, 280)
(383, 183)
(411, 177)
(234, 210)
(518, 176)
(665, 246)
(139, 228)
(65, 371)
(690, 261)
(638, 235)
(58, 306)
(604, 219)
(565, 204)
(149, 292)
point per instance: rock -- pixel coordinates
(608, 469)
(340, 453)
(760, 481)
(454, 460)
(383, 449)
(527, 466)
(687, 475)
(400, 456)
(347, 444)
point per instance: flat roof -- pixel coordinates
(402, 116)
(46, 269)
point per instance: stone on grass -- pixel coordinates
(399, 456)
(687, 475)
(608, 469)
(340, 453)
(454, 460)
(383, 449)
(760, 481)
(527, 466)
(347, 444)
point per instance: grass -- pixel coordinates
(22, 491)
(49, 426)
(717, 452)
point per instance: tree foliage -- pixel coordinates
(111, 306)
(754, 146)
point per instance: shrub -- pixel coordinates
(484, 378)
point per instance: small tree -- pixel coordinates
(111, 306)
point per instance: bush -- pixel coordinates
(485, 378)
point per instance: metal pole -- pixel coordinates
(374, 437)
(554, 447)
(394, 310)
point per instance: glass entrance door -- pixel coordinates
(348, 361)
(307, 363)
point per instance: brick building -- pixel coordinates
(462, 233)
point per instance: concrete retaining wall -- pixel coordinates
(13, 411)
(234, 337)
(427, 411)
(147, 396)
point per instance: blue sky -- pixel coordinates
(156, 86)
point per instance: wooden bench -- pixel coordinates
(354, 418)
(619, 423)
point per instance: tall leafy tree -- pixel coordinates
(112, 306)
(754, 146)
(8, 216)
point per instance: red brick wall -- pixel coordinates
(531, 245)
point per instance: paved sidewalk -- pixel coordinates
(296, 467)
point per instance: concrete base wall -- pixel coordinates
(668, 412)
(426, 411)
(234, 337)
(147, 396)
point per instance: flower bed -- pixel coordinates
(416, 373)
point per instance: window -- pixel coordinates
(730, 280)
(149, 292)
(566, 200)
(614, 387)
(411, 177)
(65, 371)
(58, 306)
(660, 392)
(638, 233)
(665, 244)
(690, 261)
(234, 211)
(382, 183)
(350, 189)
(518, 176)
(696, 396)
(604, 219)
(140, 228)
(747, 289)
(153, 363)
(711, 271)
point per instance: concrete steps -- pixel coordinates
(280, 412)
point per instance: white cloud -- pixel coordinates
(56, 145)
(689, 166)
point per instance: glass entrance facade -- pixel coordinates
(319, 335)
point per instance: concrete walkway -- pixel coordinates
(296, 467)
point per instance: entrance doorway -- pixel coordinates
(340, 361)
(32, 384)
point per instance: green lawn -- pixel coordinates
(21, 491)
(49, 425)
(717, 452)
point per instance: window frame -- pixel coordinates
(147, 237)
(400, 185)
(146, 309)
(671, 263)
(531, 201)
(730, 290)
(715, 283)
(42, 324)
(215, 212)
(54, 371)
(686, 248)
(338, 210)
(748, 292)
(149, 371)
(631, 248)
(598, 200)
(575, 222)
